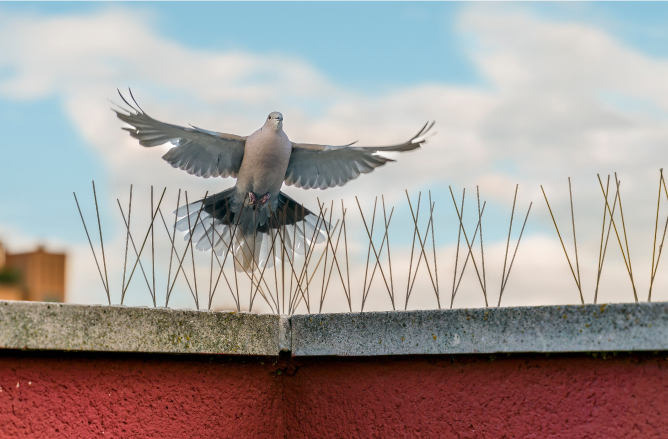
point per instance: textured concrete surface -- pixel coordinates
(589, 328)
(49, 326)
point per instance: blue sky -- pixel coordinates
(367, 43)
(362, 45)
(516, 97)
(359, 44)
(371, 46)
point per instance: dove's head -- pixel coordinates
(275, 120)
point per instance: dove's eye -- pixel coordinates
(268, 117)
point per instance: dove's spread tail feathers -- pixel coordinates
(256, 237)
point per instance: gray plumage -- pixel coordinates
(247, 215)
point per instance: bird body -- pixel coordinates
(248, 216)
(266, 157)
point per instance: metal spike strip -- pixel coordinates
(459, 216)
(562, 244)
(304, 273)
(621, 247)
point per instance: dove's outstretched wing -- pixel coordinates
(199, 152)
(321, 166)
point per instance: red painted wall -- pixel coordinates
(570, 396)
(85, 396)
(155, 396)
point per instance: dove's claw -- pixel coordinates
(264, 199)
(251, 198)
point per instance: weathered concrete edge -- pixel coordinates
(52, 326)
(589, 328)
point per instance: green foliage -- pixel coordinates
(9, 276)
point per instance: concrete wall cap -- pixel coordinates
(49, 326)
(571, 328)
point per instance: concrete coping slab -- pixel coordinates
(588, 328)
(54, 326)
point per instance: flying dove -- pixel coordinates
(248, 215)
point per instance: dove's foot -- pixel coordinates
(251, 198)
(264, 199)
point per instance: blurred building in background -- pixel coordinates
(38, 275)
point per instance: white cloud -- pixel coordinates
(556, 104)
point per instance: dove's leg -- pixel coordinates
(251, 198)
